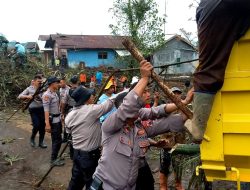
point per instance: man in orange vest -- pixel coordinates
(83, 78)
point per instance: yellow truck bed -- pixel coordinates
(227, 155)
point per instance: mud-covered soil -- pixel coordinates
(34, 162)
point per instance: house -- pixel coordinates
(176, 49)
(47, 53)
(89, 50)
(31, 47)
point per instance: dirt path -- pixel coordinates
(23, 173)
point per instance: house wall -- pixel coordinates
(46, 57)
(90, 57)
(175, 51)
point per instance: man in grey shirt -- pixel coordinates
(53, 118)
(83, 123)
(124, 139)
(36, 111)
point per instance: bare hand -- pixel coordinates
(29, 97)
(189, 96)
(161, 143)
(62, 118)
(156, 96)
(145, 68)
(48, 128)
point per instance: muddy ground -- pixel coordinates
(33, 163)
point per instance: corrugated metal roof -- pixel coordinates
(178, 37)
(43, 37)
(31, 45)
(122, 52)
(88, 41)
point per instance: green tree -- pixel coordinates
(139, 19)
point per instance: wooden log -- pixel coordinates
(138, 56)
(188, 149)
(103, 87)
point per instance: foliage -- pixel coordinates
(13, 82)
(190, 37)
(194, 4)
(139, 19)
(11, 158)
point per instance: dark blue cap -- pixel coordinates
(52, 79)
(74, 79)
(81, 95)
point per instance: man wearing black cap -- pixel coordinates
(53, 118)
(83, 123)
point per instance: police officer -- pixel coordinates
(67, 103)
(83, 123)
(125, 140)
(63, 91)
(53, 118)
(36, 111)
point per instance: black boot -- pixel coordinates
(32, 142)
(56, 162)
(41, 143)
(65, 137)
(33, 136)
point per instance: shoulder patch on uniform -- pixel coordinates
(46, 98)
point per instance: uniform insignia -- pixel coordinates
(46, 98)
(146, 124)
(144, 143)
(126, 130)
(141, 132)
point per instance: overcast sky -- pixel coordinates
(25, 20)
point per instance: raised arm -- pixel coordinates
(132, 103)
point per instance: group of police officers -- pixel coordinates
(108, 153)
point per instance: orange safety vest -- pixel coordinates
(83, 78)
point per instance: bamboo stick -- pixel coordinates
(138, 56)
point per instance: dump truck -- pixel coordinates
(225, 154)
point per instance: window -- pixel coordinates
(177, 56)
(102, 55)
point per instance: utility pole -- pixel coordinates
(165, 14)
